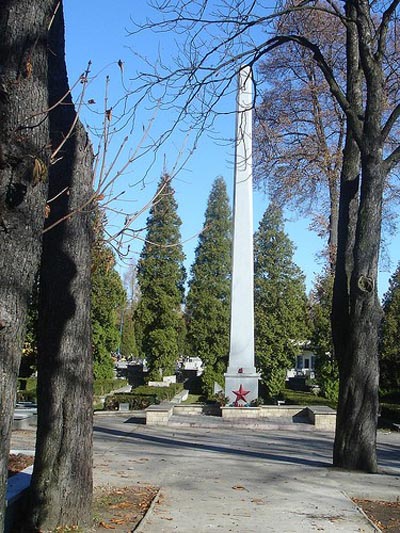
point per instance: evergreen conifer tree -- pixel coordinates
(390, 335)
(208, 301)
(326, 369)
(281, 322)
(128, 338)
(108, 299)
(161, 277)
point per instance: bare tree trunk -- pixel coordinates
(356, 314)
(23, 188)
(355, 441)
(62, 479)
(333, 221)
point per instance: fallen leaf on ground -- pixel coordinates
(122, 505)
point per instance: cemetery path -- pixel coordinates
(240, 480)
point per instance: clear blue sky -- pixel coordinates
(97, 31)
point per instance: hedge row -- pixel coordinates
(142, 397)
(162, 393)
(390, 412)
(104, 386)
(28, 384)
(27, 388)
(135, 401)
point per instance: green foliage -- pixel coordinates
(142, 396)
(326, 369)
(208, 300)
(292, 397)
(281, 320)
(390, 412)
(104, 386)
(135, 401)
(108, 299)
(27, 396)
(390, 336)
(128, 339)
(221, 399)
(27, 389)
(162, 393)
(161, 277)
(29, 384)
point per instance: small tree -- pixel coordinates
(280, 301)
(208, 301)
(327, 374)
(390, 335)
(161, 277)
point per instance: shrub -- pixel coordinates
(27, 389)
(162, 393)
(104, 386)
(26, 396)
(392, 396)
(135, 401)
(28, 384)
(142, 396)
(390, 412)
(221, 399)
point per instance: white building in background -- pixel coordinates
(193, 364)
(304, 365)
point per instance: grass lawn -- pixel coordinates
(194, 398)
(305, 398)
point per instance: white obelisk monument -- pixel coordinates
(241, 378)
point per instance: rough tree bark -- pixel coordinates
(356, 313)
(24, 138)
(62, 478)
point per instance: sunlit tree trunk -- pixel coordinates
(62, 478)
(24, 138)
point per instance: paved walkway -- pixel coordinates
(241, 480)
(238, 480)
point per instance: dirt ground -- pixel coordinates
(385, 515)
(116, 509)
(121, 509)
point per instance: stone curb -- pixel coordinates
(139, 526)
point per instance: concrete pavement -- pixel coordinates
(240, 480)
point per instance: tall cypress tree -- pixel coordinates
(108, 299)
(280, 301)
(208, 301)
(161, 278)
(390, 348)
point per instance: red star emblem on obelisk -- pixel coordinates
(240, 395)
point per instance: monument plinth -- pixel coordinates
(241, 378)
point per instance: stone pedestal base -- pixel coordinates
(244, 383)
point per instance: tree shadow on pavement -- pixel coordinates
(175, 443)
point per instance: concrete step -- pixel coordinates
(263, 424)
